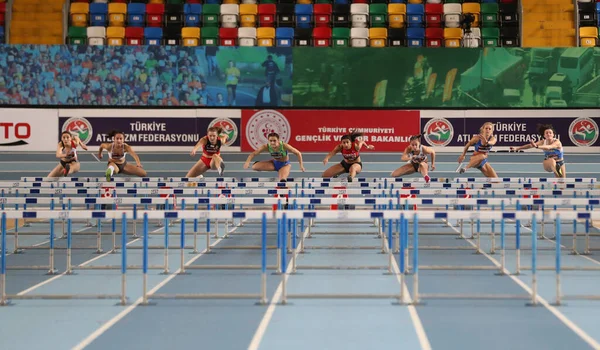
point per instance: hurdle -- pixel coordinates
(52, 215)
(261, 296)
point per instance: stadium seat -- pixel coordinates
(171, 36)
(415, 37)
(359, 15)
(210, 36)
(452, 37)
(98, 14)
(115, 36)
(77, 36)
(490, 36)
(192, 15)
(136, 15)
(284, 37)
(359, 37)
(489, 14)
(509, 36)
(229, 37)
(247, 36)
(173, 15)
(248, 14)
(474, 9)
(266, 15)
(341, 15)
(154, 36)
(116, 14)
(587, 14)
(96, 35)
(414, 15)
(378, 37)
(154, 15)
(472, 39)
(285, 15)
(229, 15)
(302, 36)
(322, 37)
(266, 36)
(452, 15)
(134, 36)
(508, 14)
(434, 37)
(433, 14)
(397, 37)
(322, 15)
(190, 36)
(588, 36)
(340, 37)
(396, 15)
(210, 15)
(304, 15)
(79, 14)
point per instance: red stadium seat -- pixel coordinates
(228, 36)
(433, 15)
(134, 35)
(266, 15)
(322, 37)
(322, 15)
(154, 15)
(434, 37)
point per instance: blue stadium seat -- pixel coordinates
(415, 37)
(98, 14)
(192, 15)
(153, 36)
(284, 37)
(414, 14)
(304, 16)
(136, 13)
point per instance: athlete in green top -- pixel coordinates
(280, 162)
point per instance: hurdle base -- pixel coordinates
(20, 251)
(52, 272)
(181, 273)
(342, 296)
(532, 304)
(99, 251)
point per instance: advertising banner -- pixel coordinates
(578, 132)
(419, 78)
(28, 130)
(153, 129)
(321, 130)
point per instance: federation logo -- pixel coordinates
(438, 132)
(80, 127)
(263, 123)
(229, 128)
(583, 132)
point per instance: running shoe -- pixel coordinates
(427, 178)
(462, 170)
(349, 178)
(559, 170)
(460, 165)
(221, 169)
(108, 175)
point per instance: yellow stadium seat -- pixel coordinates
(79, 12)
(266, 36)
(378, 37)
(396, 15)
(588, 36)
(190, 36)
(116, 14)
(115, 36)
(415, 1)
(156, 1)
(307, 2)
(473, 8)
(248, 14)
(231, 2)
(452, 37)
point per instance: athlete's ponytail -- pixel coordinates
(352, 136)
(416, 137)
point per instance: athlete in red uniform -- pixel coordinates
(66, 151)
(211, 153)
(350, 149)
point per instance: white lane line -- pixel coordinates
(32, 288)
(106, 326)
(412, 310)
(264, 323)
(570, 324)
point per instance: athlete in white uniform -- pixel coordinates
(117, 151)
(416, 156)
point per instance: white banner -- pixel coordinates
(25, 130)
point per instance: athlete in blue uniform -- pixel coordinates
(281, 161)
(483, 144)
(554, 161)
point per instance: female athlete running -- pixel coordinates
(211, 153)
(66, 151)
(416, 155)
(553, 150)
(117, 151)
(482, 143)
(352, 164)
(281, 160)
